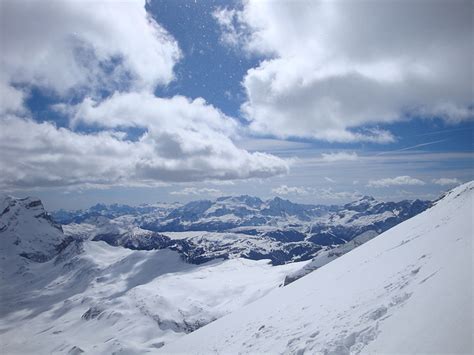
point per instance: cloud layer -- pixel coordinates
(109, 57)
(320, 82)
(195, 191)
(36, 155)
(446, 181)
(396, 181)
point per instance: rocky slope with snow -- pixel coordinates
(26, 229)
(68, 294)
(409, 290)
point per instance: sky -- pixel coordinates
(314, 101)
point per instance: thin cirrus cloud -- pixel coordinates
(339, 156)
(318, 82)
(83, 51)
(396, 181)
(195, 191)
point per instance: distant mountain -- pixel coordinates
(407, 291)
(110, 211)
(239, 226)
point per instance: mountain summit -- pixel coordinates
(26, 229)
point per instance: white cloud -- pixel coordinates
(71, 45)
(73, 49)
(339, 156)
(319, 82)
(446, 181)
(230, 24)
(328, 179)
(291, 190)
(197, 191)
(42, 155)
(396, 181)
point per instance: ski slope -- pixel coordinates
(407, 291)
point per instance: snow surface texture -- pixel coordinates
(407, 291)
(88, 296)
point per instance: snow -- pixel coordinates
(327, 255)
(102, 299)
(409, 290)
(185, 235)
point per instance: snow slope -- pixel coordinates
(327, 255)
(101, 299)
(63, 293)
(407, 291)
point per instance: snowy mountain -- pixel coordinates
(409, 290)
(63, 293)
(240, 226)
(26, 229)
(108, 286)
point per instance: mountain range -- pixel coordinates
(244, 226)
(102, 281)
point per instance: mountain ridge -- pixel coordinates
(409, 290)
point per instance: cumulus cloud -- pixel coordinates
(291, 190)
(446, 181)
(319, 82)
(232, 26)
(70, 45)
(197, 191)
(396, 181)
(42, 155)
(339, 156)
(80, 50)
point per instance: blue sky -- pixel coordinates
(181, 100)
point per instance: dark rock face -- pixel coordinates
(143, 242)
(92, 313)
